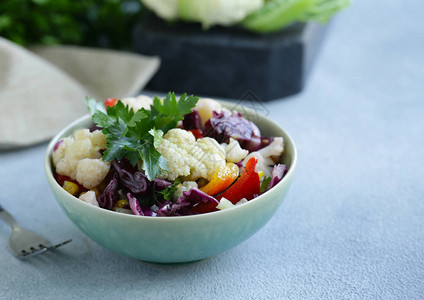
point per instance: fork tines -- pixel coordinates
(33, 251)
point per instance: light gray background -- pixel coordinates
(352, 226)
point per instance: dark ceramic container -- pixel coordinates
(229, 62)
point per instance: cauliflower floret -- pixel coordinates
(90, 198)
(180, 137)
(138, 102)
(98, 140)
(206, 107)
(178, 160)
(184, 187)
(91, 172)
(234, 153)
(264, 156)
(83, 144)
(174, 147)
(188, 157)
(59, 153)
(225, 203)
(276, 148)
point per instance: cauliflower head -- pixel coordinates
(190, 158)
(78, 157)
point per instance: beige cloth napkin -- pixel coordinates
(42, 89)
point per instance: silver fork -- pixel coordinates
(24, 243)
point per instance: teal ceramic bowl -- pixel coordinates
(175, 239)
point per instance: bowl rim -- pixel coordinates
(48, 167)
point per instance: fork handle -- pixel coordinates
(7, 217)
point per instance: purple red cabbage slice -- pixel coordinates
(57, 145)
(110, 194)
(139, 210)
(277, 174)
(224, 126)
(182, 206)
(134, 205)
(168, 209)
(160, 184)
(195, 196)
(131, 179)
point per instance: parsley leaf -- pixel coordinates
(168, 192)
(152, 161)
(170, 111)
(137, 135)
(157, 136)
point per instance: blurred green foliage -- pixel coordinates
(96, 23)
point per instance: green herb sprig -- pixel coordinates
(264, 184)
(137, 135)
(168, 192)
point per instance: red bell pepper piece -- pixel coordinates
(110, 102)
(247, 186)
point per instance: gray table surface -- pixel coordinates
(352, 226)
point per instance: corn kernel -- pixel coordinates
(70, 187)
(261, 173)
(121, 204)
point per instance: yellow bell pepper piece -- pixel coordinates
(222, 179)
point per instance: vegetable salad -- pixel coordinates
(167, 157)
